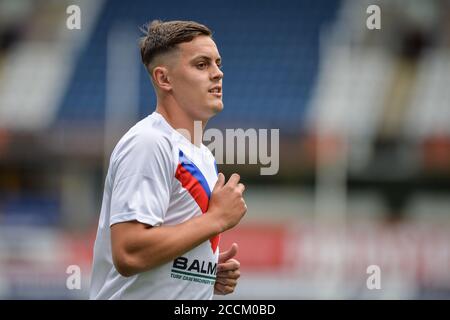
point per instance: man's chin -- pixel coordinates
(211, 111)
(217, 108)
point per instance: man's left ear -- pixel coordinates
(161, 76)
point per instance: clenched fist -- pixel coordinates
(227, 201)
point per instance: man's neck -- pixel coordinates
(181, 122)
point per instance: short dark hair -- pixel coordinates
(163, 37)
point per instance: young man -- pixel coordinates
(164, 206)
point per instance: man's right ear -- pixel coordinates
(160, 76)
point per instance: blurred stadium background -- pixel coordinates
(364, 119)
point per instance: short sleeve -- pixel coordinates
(142, 178)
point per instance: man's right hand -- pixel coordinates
(227, 202)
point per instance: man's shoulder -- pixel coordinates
(146, 136)
(149, 130)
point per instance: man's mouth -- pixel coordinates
(217, 91)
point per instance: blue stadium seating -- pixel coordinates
(30, 209)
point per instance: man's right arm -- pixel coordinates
(137, 247)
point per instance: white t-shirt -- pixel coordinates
(158, 177)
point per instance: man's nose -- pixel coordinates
(217, 74)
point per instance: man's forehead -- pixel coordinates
(202, 46)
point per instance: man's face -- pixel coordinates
(196, 78)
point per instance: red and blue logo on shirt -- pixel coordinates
(192, 179)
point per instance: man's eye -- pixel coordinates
(201, 65)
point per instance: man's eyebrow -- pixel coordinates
(205, 58)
